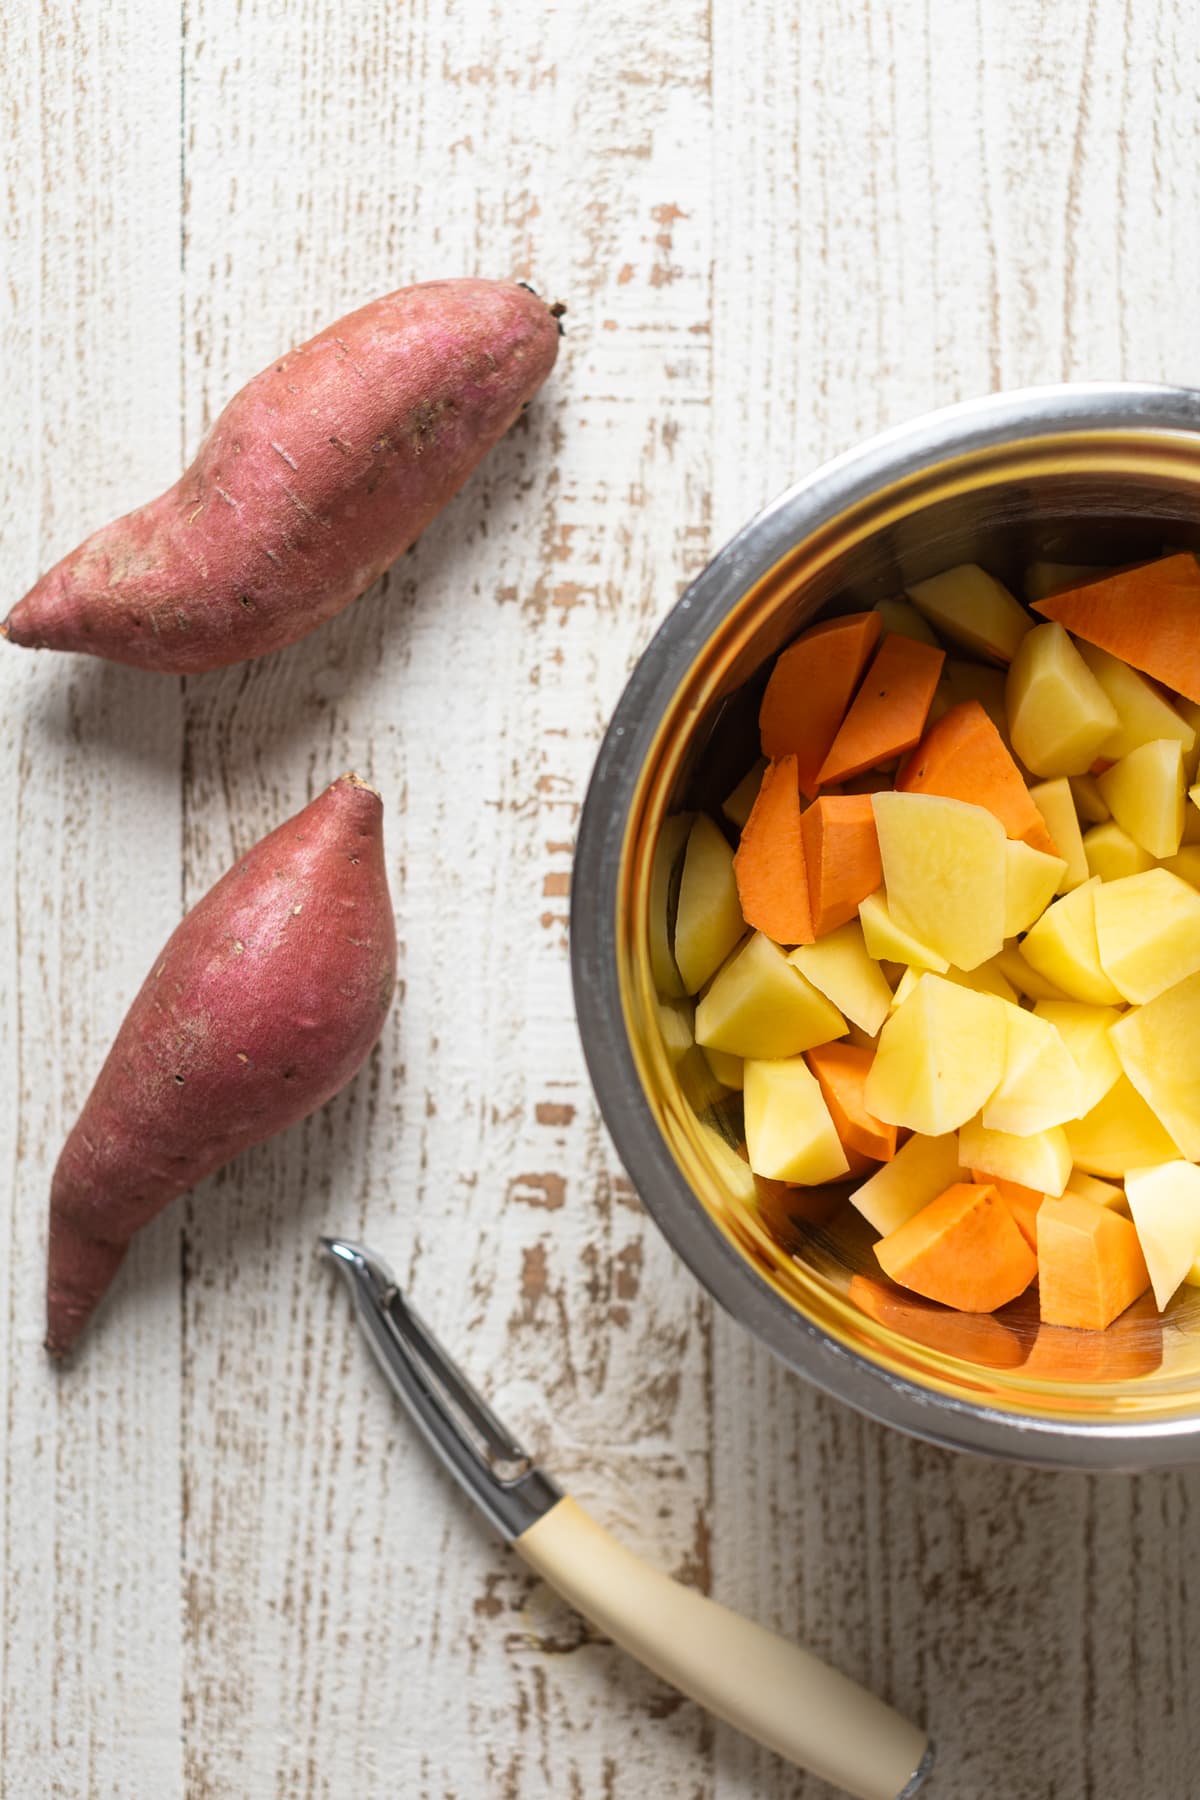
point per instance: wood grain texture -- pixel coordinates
(226, 1567)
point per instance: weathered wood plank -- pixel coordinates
(325, 1638)
(90, 1673)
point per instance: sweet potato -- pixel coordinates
(1090, 1263)
(769, 864)
(264, 1002)
(889, 711)
(963, 1249)
(964, 757)
(842, 1070)
(1147, 616)
(810, 688)
(316, 476)
(841, 858)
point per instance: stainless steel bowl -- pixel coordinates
(1087, 474)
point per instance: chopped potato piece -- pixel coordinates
(1062, 946)
(1054, 801)
(972, 608)
(1059, 715)
(1147, 932)
(944, 873)
(789, 1133)
(940, 1056)
(759, 1005)
(708, 919)
(1146, 794)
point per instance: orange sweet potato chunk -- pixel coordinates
(964, 757)
(889, 711)
(769, 862)
(963, 1249)
(841, 857)
(842, 1070)
(1148, 616)
(1022, 1202)
(810, 687)
(1090, 1263)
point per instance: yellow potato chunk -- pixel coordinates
(1164, 1203)
(1147, 932)
(790, 1135)
(1111, 853)
(1143, 710)
(738, 805)
(972, 608)
(708, 918)
(1059, 715)
(921, 1169)
(1041, 1085)
(961, 680)
(675, 1024)
(731, 1170)
(907, 985)
(887, 941)
(1045, 578)
(1084, 1031)
(728, 1070)
(1185, 863)
(1090, 803)
(943, 873)
(1120, 1133)
(1156, 1045)
(1062, 946)
(1041, 1161)
(902, 616)
(940, 1056)
(840, 966)
(1054, 801)
(1023, 976)
(759, 1005)
(664, 873)
(1090, 1187)
(1145, 792)
(1031, 880)
(986, 979)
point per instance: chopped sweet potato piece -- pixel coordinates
(1090, 1263)
(769, 864)
(963, 757)
(1022, 1202)
(841, 858)
(810, 687)
(963, 1249)
(889, 711)
(1148, 616)
(842, 1070)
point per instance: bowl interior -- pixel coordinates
(1098, 497)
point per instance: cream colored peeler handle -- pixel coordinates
(769, 1688)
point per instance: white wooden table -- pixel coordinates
(227, 1568)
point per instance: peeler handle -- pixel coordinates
(761, 1683)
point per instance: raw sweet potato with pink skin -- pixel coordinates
(263, 1003)
(315, 478)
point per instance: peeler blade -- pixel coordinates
(480, 1452)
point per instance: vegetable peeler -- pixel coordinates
(764, 1685)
